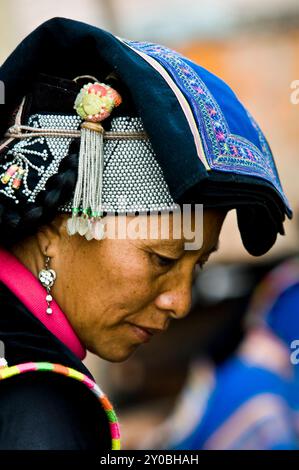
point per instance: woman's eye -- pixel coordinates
(163, 261)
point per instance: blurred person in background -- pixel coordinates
(250, 400)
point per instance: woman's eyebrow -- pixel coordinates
(169, 242)
(171, 246)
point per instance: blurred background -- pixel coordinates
(254, 46)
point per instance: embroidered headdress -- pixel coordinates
(155, 130)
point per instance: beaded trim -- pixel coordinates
(133, 181)
(11, 371)
(41, 155)
(223, 150)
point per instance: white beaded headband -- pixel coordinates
(117, 170)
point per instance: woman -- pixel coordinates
(98, 130)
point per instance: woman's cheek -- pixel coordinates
(133, 270)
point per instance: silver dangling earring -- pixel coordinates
(47, 278)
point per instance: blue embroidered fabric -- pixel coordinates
(232, 140)
(241, 383)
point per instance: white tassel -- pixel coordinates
(94, 103)
(87, 202)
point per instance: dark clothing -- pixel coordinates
(44, 410)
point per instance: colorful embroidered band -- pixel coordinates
(7, 372)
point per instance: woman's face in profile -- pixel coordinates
(113, 290)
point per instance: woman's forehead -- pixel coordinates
(206, 233)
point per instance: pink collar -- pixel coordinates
(32, 294)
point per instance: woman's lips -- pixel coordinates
(141, 333)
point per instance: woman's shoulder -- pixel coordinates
(50, 411)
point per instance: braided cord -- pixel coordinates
(24, 132)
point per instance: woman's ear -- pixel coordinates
(49, 237)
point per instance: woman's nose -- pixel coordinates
(177, 302)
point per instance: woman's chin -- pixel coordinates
(116, 355)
